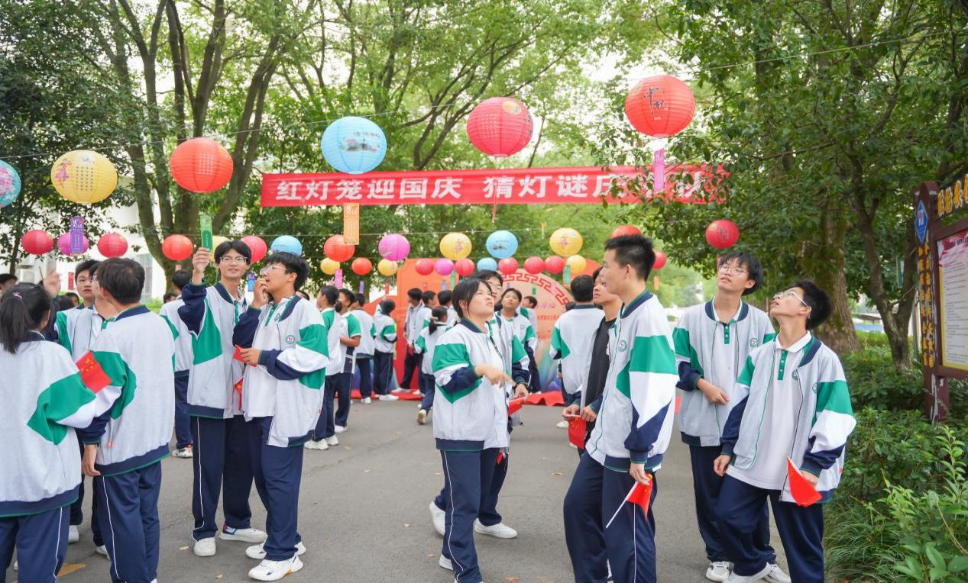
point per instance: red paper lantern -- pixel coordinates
(660, 260)
(626, 230)
(361, 266)
(660, 106)
(337, 249)
(425, 267)
(464, 267)
(500, 126)
(507, 266)
(554, 264)
(534, 265)
(37, 242)
(177, 248)
(257, 246)
(722, 233)
(201, 165)
(112, 245)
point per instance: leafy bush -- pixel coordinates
(874, 382)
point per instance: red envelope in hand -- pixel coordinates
(803, 492)
(238, 353)
(576, 432)
(514, 405)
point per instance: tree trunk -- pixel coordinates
(827, 264)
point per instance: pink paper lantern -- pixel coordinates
(257, 246)
(534, 265)
(64, 245)
(394, 247)
(444, 266)
(112, 245)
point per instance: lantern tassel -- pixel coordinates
(658, 172)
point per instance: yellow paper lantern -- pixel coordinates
(577, 264)
(386, 267)
(329, 266)
(566, 242)
(83, 176)
(217, 240)
(455, 246)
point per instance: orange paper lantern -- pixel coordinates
(177, 248)
(201, 165)
(337, 249)
(361, 266)
(660, 106)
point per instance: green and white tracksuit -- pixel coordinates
(78, 328)
(367, 333)
(44, 399)
(331, 324)
(571, 343)
(425, 345)
(708, 348)
(637, 408)
(385, 329)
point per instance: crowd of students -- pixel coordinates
(247, 387)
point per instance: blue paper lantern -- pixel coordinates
(487, 264)
(9, 184)
(502, 244)
(287, 244)
(354, 145)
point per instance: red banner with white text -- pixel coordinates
(522, 186)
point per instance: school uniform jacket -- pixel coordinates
(425, 345)
(43, 400)
(349, 327)
(571, 343)
(78, 328)
(136, 412)
(287, 383)
(636, 410)
(210, 314)
(470, 413)
(334, 350)
(385, 333)
(367, 333)
(709, 349)
(514, 357)
(824, 420)
(183, 337)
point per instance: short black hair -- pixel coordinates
(169, 296)
(754, 271)
(444, 297)
(464, 292)
(348, 295)
(233, 244)
(819, 302)
(123, 278)
(487, 275)
(582, 288)
(293, 264)
(302, 294)
(532, 300)
(361, 298)
(635, 251)
(569, 306)
(414, 294)
(387, 306)
(72, 295)
(23, 309)
(89, 266)
(595, 274)
(512, 291)
(181, 278)
(428, 296)
(330, 293)
(4, 278)
(64, 303)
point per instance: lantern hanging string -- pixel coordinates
(914, 38)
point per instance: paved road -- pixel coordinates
(363, 511)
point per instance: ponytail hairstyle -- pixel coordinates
(438, 314)
(23, 310)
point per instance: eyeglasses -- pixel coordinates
(233, 260)
(789, 293)
(268, 269)
(727, 269)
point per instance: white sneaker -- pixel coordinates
(388, 397)
(205, 548)
(101, 549)
(269, 571)
(734, 577)
(258, 552)
(316, 445)
(185, 452)
(73, 536)
(421, 416)
(776, 574)
(248, 535)
(340, 429)
(439, 518)
(717, 571)
(562, 424)
(16, 565)
(445, 563)
(332, 440)
(367, 400)
(418, 393)
(399, 390)
(500, 530)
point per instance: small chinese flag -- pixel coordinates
(238, 353)
(641, 495)
(92, 374)
(803, 492)
(514, 405)
(576, 432)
